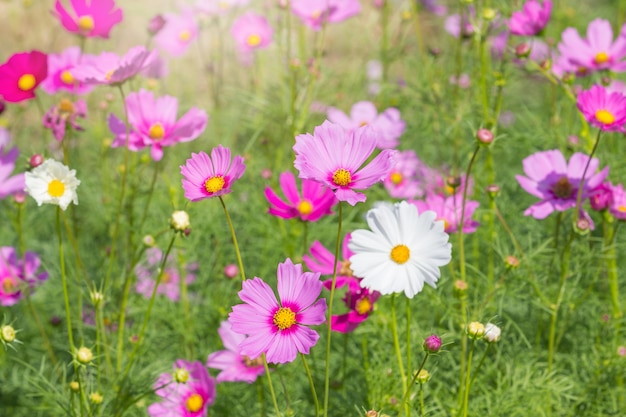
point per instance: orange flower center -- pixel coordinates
(605, 117)
(85, 23)
(284, 318)
(194, 403)
(8, 286)
(342, 177)
(345, 269)
(26, 82)
(363, 306)
(66, 106)
(400, 254)
(214, 184)
(254, 40)
(67, 77)
(621, 209)
(305, 207)
(156, 131)
(601, 58)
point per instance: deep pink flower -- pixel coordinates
(62, 114)
(602, 109)
(388, 124)
(169, 284)
(279, 328)
(179, 32)
(60, 77)
(211, 177)
(110, 69)
(334, 157)
(432, 344)
(598, 51)
(617, 206)
(17, 274)
(252, 31)
(448, 209)
(234, 366)
(406, 178)
(317, 200)
(9, 185)
(555, 182)
(313, 13)
(153, 123)
(602, 196)
(187, 392)
(531, 19)
(359, 301)
(93, 18)
(21, 74)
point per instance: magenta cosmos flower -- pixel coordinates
(531, 19)
(17, 274)
(252, 31)
(388, 124)
(111, 69)
(211, 177)
(179, 32)
(617, 205)
(9, 185)
(169, 284)
(313, 13)
(407, 175)
(359, 301)
(323, 261)
(449, 210)
(316, 201)
(21, 74)
(279, 328)
(235, 367)
(334, 156)
(186, 392)
(154, 124)
(555, 181)
(598, 51)
(60, 77)
(93, 18)
(603, 109)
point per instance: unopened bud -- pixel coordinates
(74, 386)
(180, 221)
(231, 271)
(96, 298)
(35, 160)
(489, 13)
(475, 330)
(423, 376)
(156, 24)
(432, 344)
(484, 136)
(493, 190)
(181, 375)
(511, 262)
(492, 333)
(460, 288)
(84, 355)
(522, 50)
(148, 240)
(96, 398)
(582, 226)
(7, 333)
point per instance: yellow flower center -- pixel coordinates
(400, 254)
(66, 106)
(156, 131)
(56, 188)
(26, 82)
(362, 124)
(345, 269)
(194, 403)
(396, 178)
(254, 40)
(601, 58)
(284, 318)
(109, 75)
(184, 36)
(85, 23)
(165, 278)
(342, 177)
(214, 184)
(67, 77)
(363, 306)
(252, 363)
(305, 207)
(446, 224)
(563, 188)
(605, 117)
(7, 285)
(621, 209)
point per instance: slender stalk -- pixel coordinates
(408, 338)
(407, 392)
(480, 364)
(460, 227)
(467, 379)
(611, 266)
(418, 29)
(269, 381)
(396, 348)
(311, 384)
(232, 233)
(66, 299)
(582, 179)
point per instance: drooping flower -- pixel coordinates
(21, 74)
(555, 181)
(206, 177)
(52, 183)
(234, 366)
(153, 123)
(531, 19)
(598, 51)
(179, 32)
(147, 273)
(9, 185)
(279, 328)
(406, 178)
(316, 201)
(334, 157)
(402, 251)
(62, 114)
(18, 274)
(186, 392)
(449, 210)
(603, 109)
(388, 124)
(93, 18)
(314, 13)
(111, 69)
(252, 31)
(60, 76)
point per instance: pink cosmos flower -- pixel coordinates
(603, 109)
(153, 123)
(93, 18)
(21, 74)
(178, 33)
(9, 185)
(60, 77)
(405, 180)
(169, 284)
(279, 328)
(388, 125)
(555, 181)
(323, 261)
(434, 7)
(532, 19)
(598, 51)
(448, 209)
(62, 114)
(617, 206)
(17, 274)
(334, 156)
(313, 13)
(234, 366)
(360, 303)
(317, 200)
(211, 177)
(110, 69)
(187, 392)
(252, 31)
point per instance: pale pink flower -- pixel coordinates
(449, 210)
(93, 18)
(531, 19)
(313, 13)
(63, 114)
(110, 69)
(60, 77)
(179, 32)
(252, 31)
(147, 273)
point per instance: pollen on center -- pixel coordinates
(86, 23)
(67, 77)
(184, 36)
(342, 177)
(156, 131)
(601, 58)
(26, 82)
(605, 117)
(8, 285)
(254, 40)
(400, 254)
(363, 306)
(214, 184)
(284, 318)
(305, 207)
(396, 178)
(56, 188)
(194, 403)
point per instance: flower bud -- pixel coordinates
(96, 398)
(74, 386)
(493, 190)
(19, 197)
(522, 50)
(180, 221)
(181, 375)
(511, 262)
(453, 181)
(96, 298)
(460, 288)
(621, 351)
(84, 355)
(149, 241)
(156, 24)
(231, 271)
(423, 376)
(582, 226)
(371, 413)
(484, 136)
(489, 13)
(7, 333)
(432, 344)
(35, 160)
(475, 330)
(492, 333)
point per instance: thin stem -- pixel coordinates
(611, 265)
(480, 364)
(396, 347)
(582, 179)
(460, 227)
(408, 342)
(418, 29)
(407, 392)
(232, 233)
(269, 381)
(467, 379)
(312, 385)
(66, 298)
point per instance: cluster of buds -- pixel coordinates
(490, 333)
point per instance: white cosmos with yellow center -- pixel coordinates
(402, 251)
(52, 183)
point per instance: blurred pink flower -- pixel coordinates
(323, 261)
(60, 77)
(179, 32)
(18, 274)
(110, 69)
(313, 13)
(9, 185)
(206, 177)
(169, 284)
(234, 366)
(153, 123)
(360, 303)
(62, 114)
(449, 210)
(617, 206)
(218, 7)
(317, 200)
(93, 18)
(531, 19)
(252, 31)
(406, 178)
(21, 74)
(601, 197)
(603, 109)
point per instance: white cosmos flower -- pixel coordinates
(492, 333)
(52, 183)
(402, 251)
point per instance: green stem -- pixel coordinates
(232, 233)
(396, 348)
(311, 384)
(611, 266)
(582, 179)
(460, 226)
(480, 364)
(271, 386)
(468, 379)
(66, 298)
(418, 29)
(407, 391)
